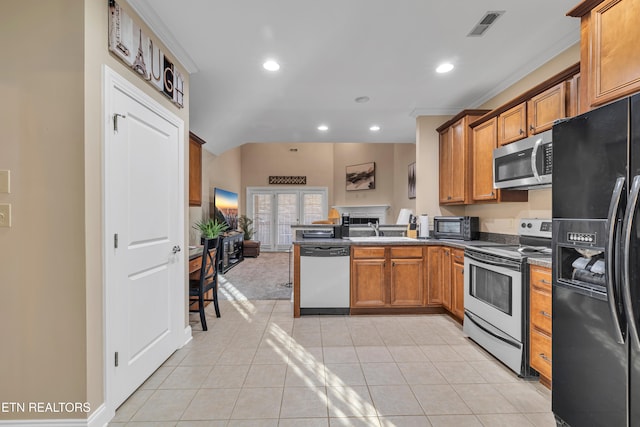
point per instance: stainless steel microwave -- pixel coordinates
(524, 164)
(456, 227)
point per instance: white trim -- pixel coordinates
(146, 12)
(111, 80)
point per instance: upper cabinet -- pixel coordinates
(455, 140)
(512, 124)
(609, 50)
(195, 169)
(547, 107)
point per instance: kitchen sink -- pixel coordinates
(382, 239)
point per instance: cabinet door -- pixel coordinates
(445, 266)
(540, 306)
(407, 282)
(434, 280)
(614, 60)
(368, 284)
(457, 305)
(458, 162)
(512, 124)
(545, 108)
(445, 166)
(195, 170)
(540, 353)
(483, 144)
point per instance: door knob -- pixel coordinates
(176, 249)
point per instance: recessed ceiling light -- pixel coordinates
(271, 65)
(323, 128)
(362, 99)
(444, 68)
(374, 128)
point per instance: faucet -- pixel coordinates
(376, 228)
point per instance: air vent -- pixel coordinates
(487, 20)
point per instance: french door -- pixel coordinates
(274, 211)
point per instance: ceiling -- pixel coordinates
(333, 51)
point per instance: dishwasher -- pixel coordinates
(324, 280)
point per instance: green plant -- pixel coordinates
(210, 228)
(246, 225)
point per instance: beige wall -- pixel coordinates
(496, 217)
(51, 302)
(324, 166)
(223, 171)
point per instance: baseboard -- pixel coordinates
(99, 418)
(186, 337)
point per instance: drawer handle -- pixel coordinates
(545, 282)
(545, 314)
(545, 358)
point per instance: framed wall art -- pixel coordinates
(412, 180)
(361, 177)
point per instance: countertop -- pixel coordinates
(541, 261)
(459, 244)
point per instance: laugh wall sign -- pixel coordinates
(129, 43)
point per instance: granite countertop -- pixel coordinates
(540, 261)
(459, 244)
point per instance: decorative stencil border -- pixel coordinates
(288, 180)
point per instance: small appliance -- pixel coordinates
(524, 164)
(456, 227)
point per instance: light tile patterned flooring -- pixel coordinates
(257, 366)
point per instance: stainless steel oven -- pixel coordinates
(496, 298)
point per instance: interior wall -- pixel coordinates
(494, 217)
(313, 160)
(222, 171)
(403, 156)
(42, 297)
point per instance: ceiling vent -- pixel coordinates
(487, 20)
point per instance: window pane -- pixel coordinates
(287, 216)
(312, 207)
(262, 217)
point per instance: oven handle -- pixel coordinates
(493, 334)
(485, 261)
(610, 245)
(629, 214)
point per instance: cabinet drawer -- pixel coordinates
(458, 256)
(368, 252)
(541, 309)
(541, 277)
(540, 355)
(406, 252)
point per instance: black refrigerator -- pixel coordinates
(596, 267)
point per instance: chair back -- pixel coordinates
(208, 269)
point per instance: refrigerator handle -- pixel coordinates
(629, 215)
(534, 155)
(610, 268)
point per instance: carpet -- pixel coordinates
(263, 278)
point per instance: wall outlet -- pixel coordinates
(5, 215)
(5, 183)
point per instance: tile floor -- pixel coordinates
(257, 366)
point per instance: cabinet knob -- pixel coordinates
(545, 314)
(544, 357)
(521, 131)
(531, 128)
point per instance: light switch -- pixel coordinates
(5, 215)
(5, 183)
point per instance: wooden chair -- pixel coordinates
(206, 281)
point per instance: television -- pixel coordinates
(225, 207)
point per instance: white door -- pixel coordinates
(145, 285)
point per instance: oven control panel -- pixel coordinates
(535, 227)
(581, 237)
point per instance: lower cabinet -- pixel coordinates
(446, 279)
(540, 318)
(387, 276)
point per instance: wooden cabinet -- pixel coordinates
(512, 124)
(446, 279)
(483, 142)
(545, 108)
(540, 318)
(457, 284)
(610, 52)
(454, 163)
(195, 169)
(387, 276)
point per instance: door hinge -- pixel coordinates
(115, 121)
(116, 359)
(115, 241)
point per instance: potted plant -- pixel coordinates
(250, 248)
(210, 229)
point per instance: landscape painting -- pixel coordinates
(361, 177)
